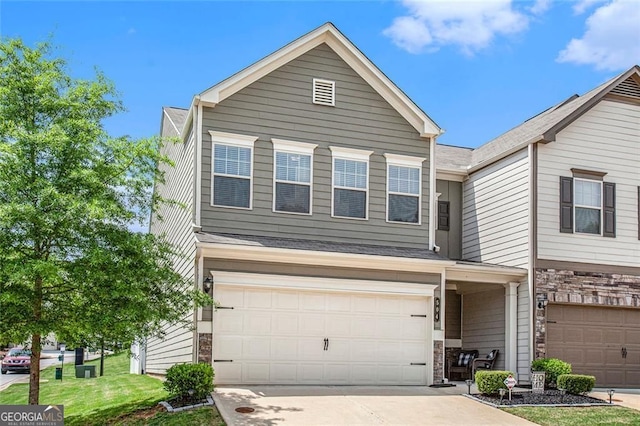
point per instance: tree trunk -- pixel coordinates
(34, 372)
(102, 358)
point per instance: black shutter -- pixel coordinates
(609, 213)
(443, 215)
(566, 204)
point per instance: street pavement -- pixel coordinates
(48, 359)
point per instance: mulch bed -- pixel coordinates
(549, 397)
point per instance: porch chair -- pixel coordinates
(462, 363)
(484, 363)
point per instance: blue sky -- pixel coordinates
(477, 68)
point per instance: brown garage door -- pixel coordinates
(603, 342)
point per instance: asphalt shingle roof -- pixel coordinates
(315, 245)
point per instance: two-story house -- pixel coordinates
(558, 195)
(310, 193)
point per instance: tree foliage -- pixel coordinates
(69, 192)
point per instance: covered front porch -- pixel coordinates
(485, 308)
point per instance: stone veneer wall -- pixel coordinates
(204, 347)
(582, 288)
(438, 361)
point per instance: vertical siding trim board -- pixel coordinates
(433, 200)
(639, 212)
(197, 166)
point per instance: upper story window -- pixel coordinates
(293, 176)
(232, 169)
(350, 182)
(587, 204)
(404, 183)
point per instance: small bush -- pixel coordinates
(553, 368)
(183, 378)
(488, 382)
(576, 383)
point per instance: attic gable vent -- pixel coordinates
(629, 87)
(324, 92)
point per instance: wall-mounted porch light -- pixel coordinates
(207, 284)
(542, 300)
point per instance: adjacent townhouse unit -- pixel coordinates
(559, 195)
(343, 245)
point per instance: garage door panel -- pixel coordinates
(591, 340)
(338, 302)
(311, 324)
(388, 328)
(285, 324)
(258, 299)
(255, 372)
(312, 301)
(286, 300)
(227, 347)
(230, 297)
(283, 373)
(278, 336)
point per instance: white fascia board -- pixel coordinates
(453, 175)
(349, 53)
(321, 258)
(320, 284)
(485, 274)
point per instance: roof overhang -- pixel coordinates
(330, 35)
(320, 258)
(481, 273)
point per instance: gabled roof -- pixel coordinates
(330, 35)
(177, 118)
(453, 158)
(544, 126)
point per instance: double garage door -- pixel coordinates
(290, 336)
(602, 342)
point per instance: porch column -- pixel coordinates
(511, 327)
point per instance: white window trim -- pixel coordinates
(600, 208)
(410, 162)
(293, 147)
(232, 139)
(338, 152)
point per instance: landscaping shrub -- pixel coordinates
(553, 367)
(488, 382)
(182, 378)
(577, 384)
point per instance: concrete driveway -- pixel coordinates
(356, 405)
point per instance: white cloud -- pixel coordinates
(131, 31)
(610, 41)
(470, 24)
(581, 6)
(541, 6)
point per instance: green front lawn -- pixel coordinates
(116, 398)
(577, 416)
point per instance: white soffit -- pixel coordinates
(328, 34)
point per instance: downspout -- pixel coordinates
(198, 162)
(432, 192)
(531, 153)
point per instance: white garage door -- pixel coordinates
(279, 336)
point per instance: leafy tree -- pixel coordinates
(68, 193)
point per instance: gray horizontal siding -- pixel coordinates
(483, 323)
(495, 222)
(279, 106)
(177, 344)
